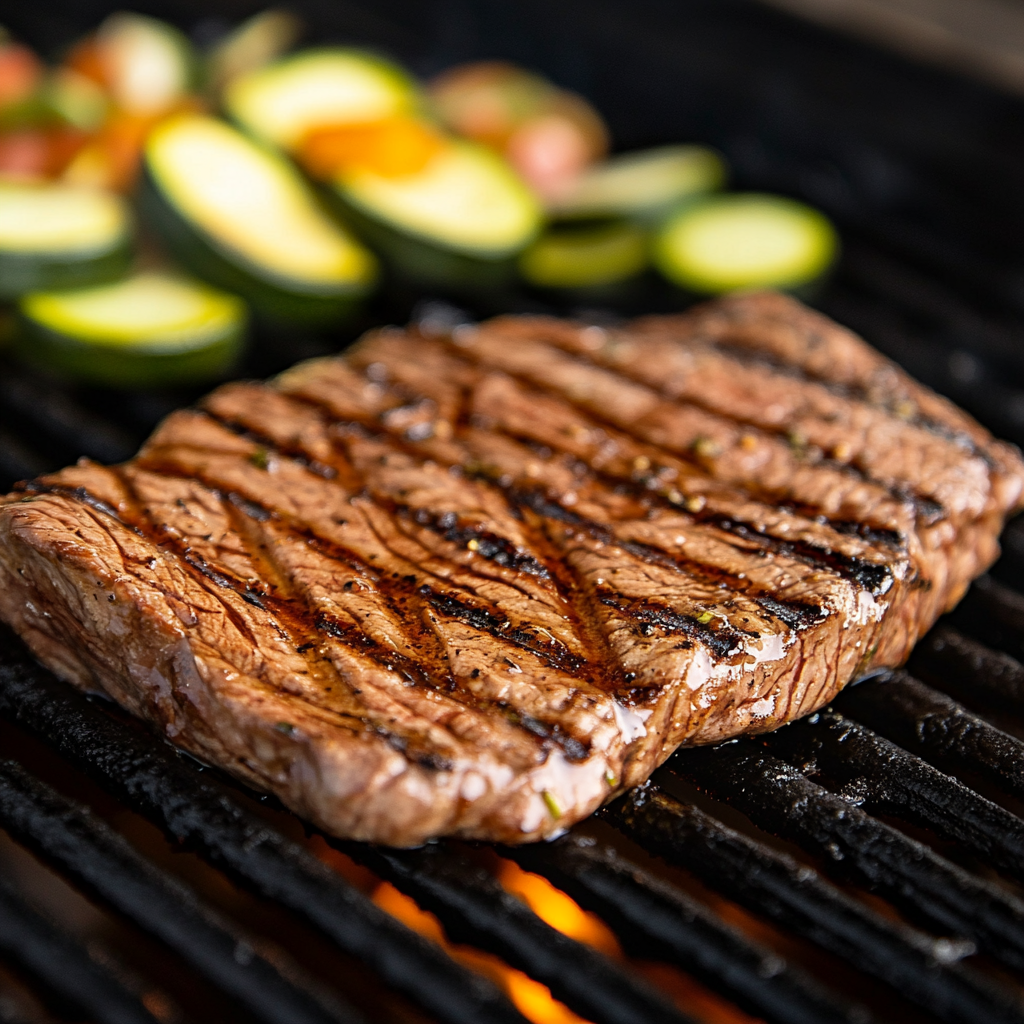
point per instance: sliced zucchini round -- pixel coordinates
(747, 240)
(149, 330)
(58, 236)
(459, 221)
(281, 102)
(642, 185)
(243, 218)
(588, 256)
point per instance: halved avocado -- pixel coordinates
(283, 101)
(148, 330)
(642, 185)
(58, 236)
(457, 223)
(243, 218)
(745, 240)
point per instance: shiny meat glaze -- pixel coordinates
(477, 584)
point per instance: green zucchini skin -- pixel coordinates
(415, 261)
(120, 367)
(23, 272)
(683, 263)
(201, 254)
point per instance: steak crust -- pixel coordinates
(478, 584)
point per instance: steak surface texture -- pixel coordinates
(478, 583)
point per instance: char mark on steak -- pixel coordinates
(476, 584)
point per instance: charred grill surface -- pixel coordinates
(477, 583)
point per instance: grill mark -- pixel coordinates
(757, 359)
(877, 579)
(871, 576)
(648, 617)
(855, 392)
(874, 577)
(291, 607)
(295, 610)
(561, 659)
(791, 611)
(689, 330)
(500, 628)
(925, 508)
(600, 656)
(201, 572)
(873, 535)
(487, 545)
(293, 452)
(797, 616)
(80, 494)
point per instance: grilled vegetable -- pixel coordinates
(252, 45)
(585, 257)
(458, 223)
(149, 330)
(21, 73)
(242, 218)
(145, 65)
(549, 135)
(314, 89)
(642, 185)
(745, 240)
(55, 236)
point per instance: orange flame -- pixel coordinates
(533, 1000)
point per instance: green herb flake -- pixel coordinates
(706, 448)
(610, 779)
(286, 727)
(552, 804)
(260, 458)
(704, 618)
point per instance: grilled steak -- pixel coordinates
(477, 584)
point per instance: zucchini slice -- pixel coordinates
(58, 236)
(586, 256)
(642, 185)
(243, 218)
(747, 240)
(149, 330)
(460, 221)
(283, 101)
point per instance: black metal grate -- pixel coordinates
(865, 864)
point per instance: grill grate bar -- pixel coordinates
(936, 727)
(918, 967)
(157, 784)
(475, 909)
(60, 424)
(657, 921)
(779, 799)
(994, 614)
(965, 668)
(878, 773)
(62, 966)
(81, 846)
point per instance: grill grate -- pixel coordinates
(863, 865)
